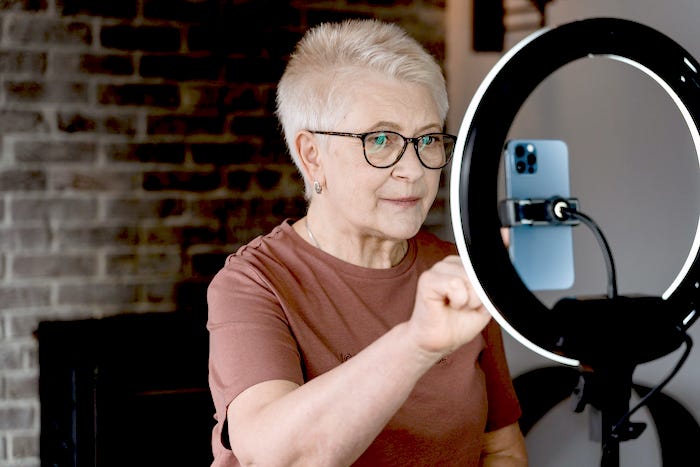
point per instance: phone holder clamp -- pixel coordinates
(551, 211)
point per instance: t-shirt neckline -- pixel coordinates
(345, 267)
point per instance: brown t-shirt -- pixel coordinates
(282, 309)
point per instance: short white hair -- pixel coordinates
(315, 87)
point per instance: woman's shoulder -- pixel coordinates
(277, 237)
(264, 250)
(431, 244)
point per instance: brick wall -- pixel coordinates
(138, 148)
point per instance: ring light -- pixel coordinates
(474, 176)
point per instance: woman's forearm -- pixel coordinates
(332, 419)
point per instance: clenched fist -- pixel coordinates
(448, 313)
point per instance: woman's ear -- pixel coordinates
(310, 155)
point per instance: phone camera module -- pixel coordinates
(524, 157)
(531, 158)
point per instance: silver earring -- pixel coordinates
(317, 187)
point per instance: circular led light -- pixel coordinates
(484, 129)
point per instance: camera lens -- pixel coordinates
(519, 150)
(520, 167)
(531, 159)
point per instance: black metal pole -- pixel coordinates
(614, 392)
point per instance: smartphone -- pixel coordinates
(543, 255)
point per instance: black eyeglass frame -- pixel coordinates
(406, 140)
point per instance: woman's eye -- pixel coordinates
(378, 141)
(427, 140)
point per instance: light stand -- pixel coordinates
(635, 329)
(638, 330)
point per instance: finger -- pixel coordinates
(453, 291)
(474, 300)
(456, 294)
(461, 292)
(505, 235)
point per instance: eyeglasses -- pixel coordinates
(385, 148)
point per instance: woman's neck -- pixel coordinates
(360, 250)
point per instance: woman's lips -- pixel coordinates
(403, 202)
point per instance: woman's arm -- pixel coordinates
(332, 419)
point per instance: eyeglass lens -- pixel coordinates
(383, 148)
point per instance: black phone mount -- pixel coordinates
(551, 211)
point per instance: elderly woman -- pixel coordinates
(351, 336)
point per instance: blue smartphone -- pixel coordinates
(543, 255)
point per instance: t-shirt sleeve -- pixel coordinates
(504, 408)
(249, 336)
